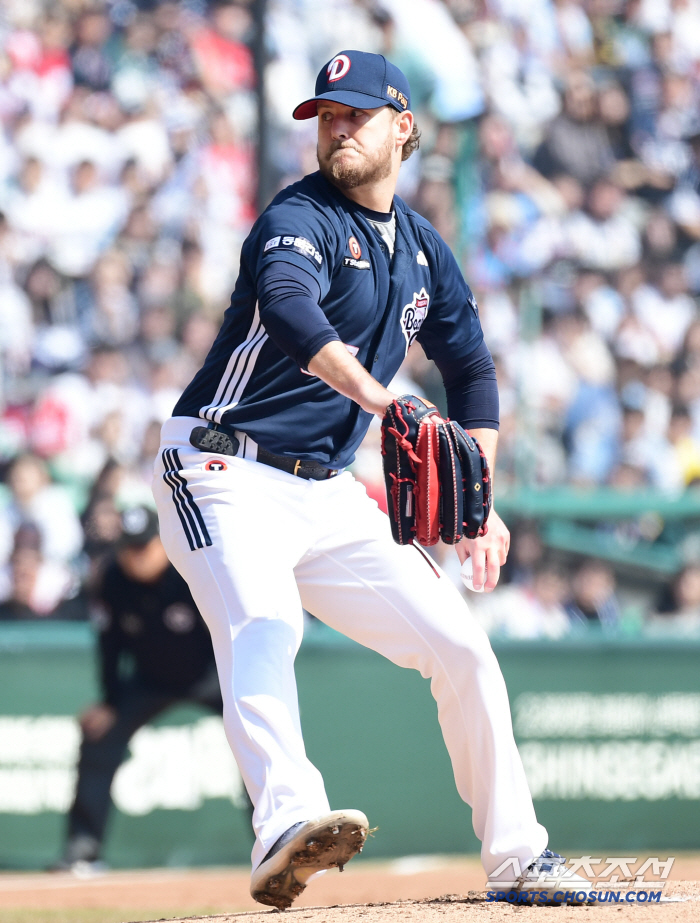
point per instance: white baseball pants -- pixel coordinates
(255, 545)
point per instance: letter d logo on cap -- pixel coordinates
(338, 67)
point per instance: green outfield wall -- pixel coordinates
(609, 731)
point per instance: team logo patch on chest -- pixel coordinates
(353, 261)
(216, 465)
(413, 315)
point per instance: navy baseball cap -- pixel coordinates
(361, 80)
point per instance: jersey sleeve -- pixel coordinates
(451, 335)
(472, 390)
(452, 329)
(296, 233)
(289, 310)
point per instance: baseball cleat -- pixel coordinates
(306, 848)
(547, 880)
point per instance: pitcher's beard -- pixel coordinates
(352, 175)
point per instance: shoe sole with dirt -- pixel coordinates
(325, 843)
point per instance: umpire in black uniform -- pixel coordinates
(154, 651)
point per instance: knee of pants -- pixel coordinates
(462, 644)
(259, 660)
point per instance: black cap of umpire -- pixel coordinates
(139, 526)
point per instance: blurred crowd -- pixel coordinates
(543, 595)
(127, 185)
(560, 158)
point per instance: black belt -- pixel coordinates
(222, 440)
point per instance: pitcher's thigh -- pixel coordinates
(393, 599)
(230, 574)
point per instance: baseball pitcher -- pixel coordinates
(338, 277)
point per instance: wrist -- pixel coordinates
(378, 403)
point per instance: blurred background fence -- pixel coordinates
(609, 731)
(560, 159)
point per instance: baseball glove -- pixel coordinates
(436, 475)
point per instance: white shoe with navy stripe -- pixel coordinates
(547, 880)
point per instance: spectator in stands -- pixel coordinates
(592, 600)
(684, 455)
(637, 450)
(32, 587)
(665, 308)
(526, 553)
(222, 59)
(91, 216)
(577, 141)
(603, 236)
(684, 204)
(91, 62)
(682, 611)
(35, 500)
(527, 611)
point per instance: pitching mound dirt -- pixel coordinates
(416, 888)
(680, 903)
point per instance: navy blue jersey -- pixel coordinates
(378, 306)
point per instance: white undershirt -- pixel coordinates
(387, 231)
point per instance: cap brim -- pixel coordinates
(136, 545)
(135, 541)
(307, 109)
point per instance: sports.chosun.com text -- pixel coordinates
(560, 897)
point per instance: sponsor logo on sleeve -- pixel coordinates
(413, 315)
(299, 245)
